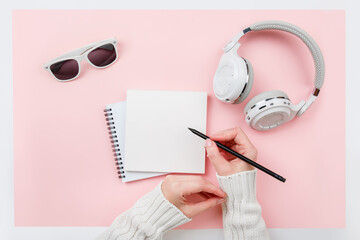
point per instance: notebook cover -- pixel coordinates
(118, 133)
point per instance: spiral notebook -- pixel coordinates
(115, 117)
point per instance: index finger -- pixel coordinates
(201, 185)
(233, 134)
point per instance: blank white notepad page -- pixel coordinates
(157, 135)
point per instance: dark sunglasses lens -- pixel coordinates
(65, 70)
(103, 55)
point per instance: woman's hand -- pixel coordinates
(224, 162)
(179, 190)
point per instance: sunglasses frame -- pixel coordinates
(81, 54)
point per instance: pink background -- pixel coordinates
(64, 170)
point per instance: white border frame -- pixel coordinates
(352, 230)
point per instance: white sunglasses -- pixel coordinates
(99, 54)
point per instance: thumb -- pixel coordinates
(197, 208)
(214, 155)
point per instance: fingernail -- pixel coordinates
(208, 143)
(220, 201)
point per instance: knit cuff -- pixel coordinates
(154, 214)
(239, 187)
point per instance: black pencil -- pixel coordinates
(238, 155)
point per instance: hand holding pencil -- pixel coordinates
(224, 162)
(233, 138)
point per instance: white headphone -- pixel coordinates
(234, 78)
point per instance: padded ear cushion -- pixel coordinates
(263, 96)
(249, 84)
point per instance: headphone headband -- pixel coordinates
(310, 43)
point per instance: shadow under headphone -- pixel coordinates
(234, 77)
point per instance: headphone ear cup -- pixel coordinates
(249, 83)
(262, 97)
(232, 77)
(268, 110)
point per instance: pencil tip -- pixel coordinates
(190, 129)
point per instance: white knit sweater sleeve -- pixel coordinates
(150, 217)
(241, 212)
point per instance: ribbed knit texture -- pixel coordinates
(149, 218)
(153, 215)
(241, 212)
